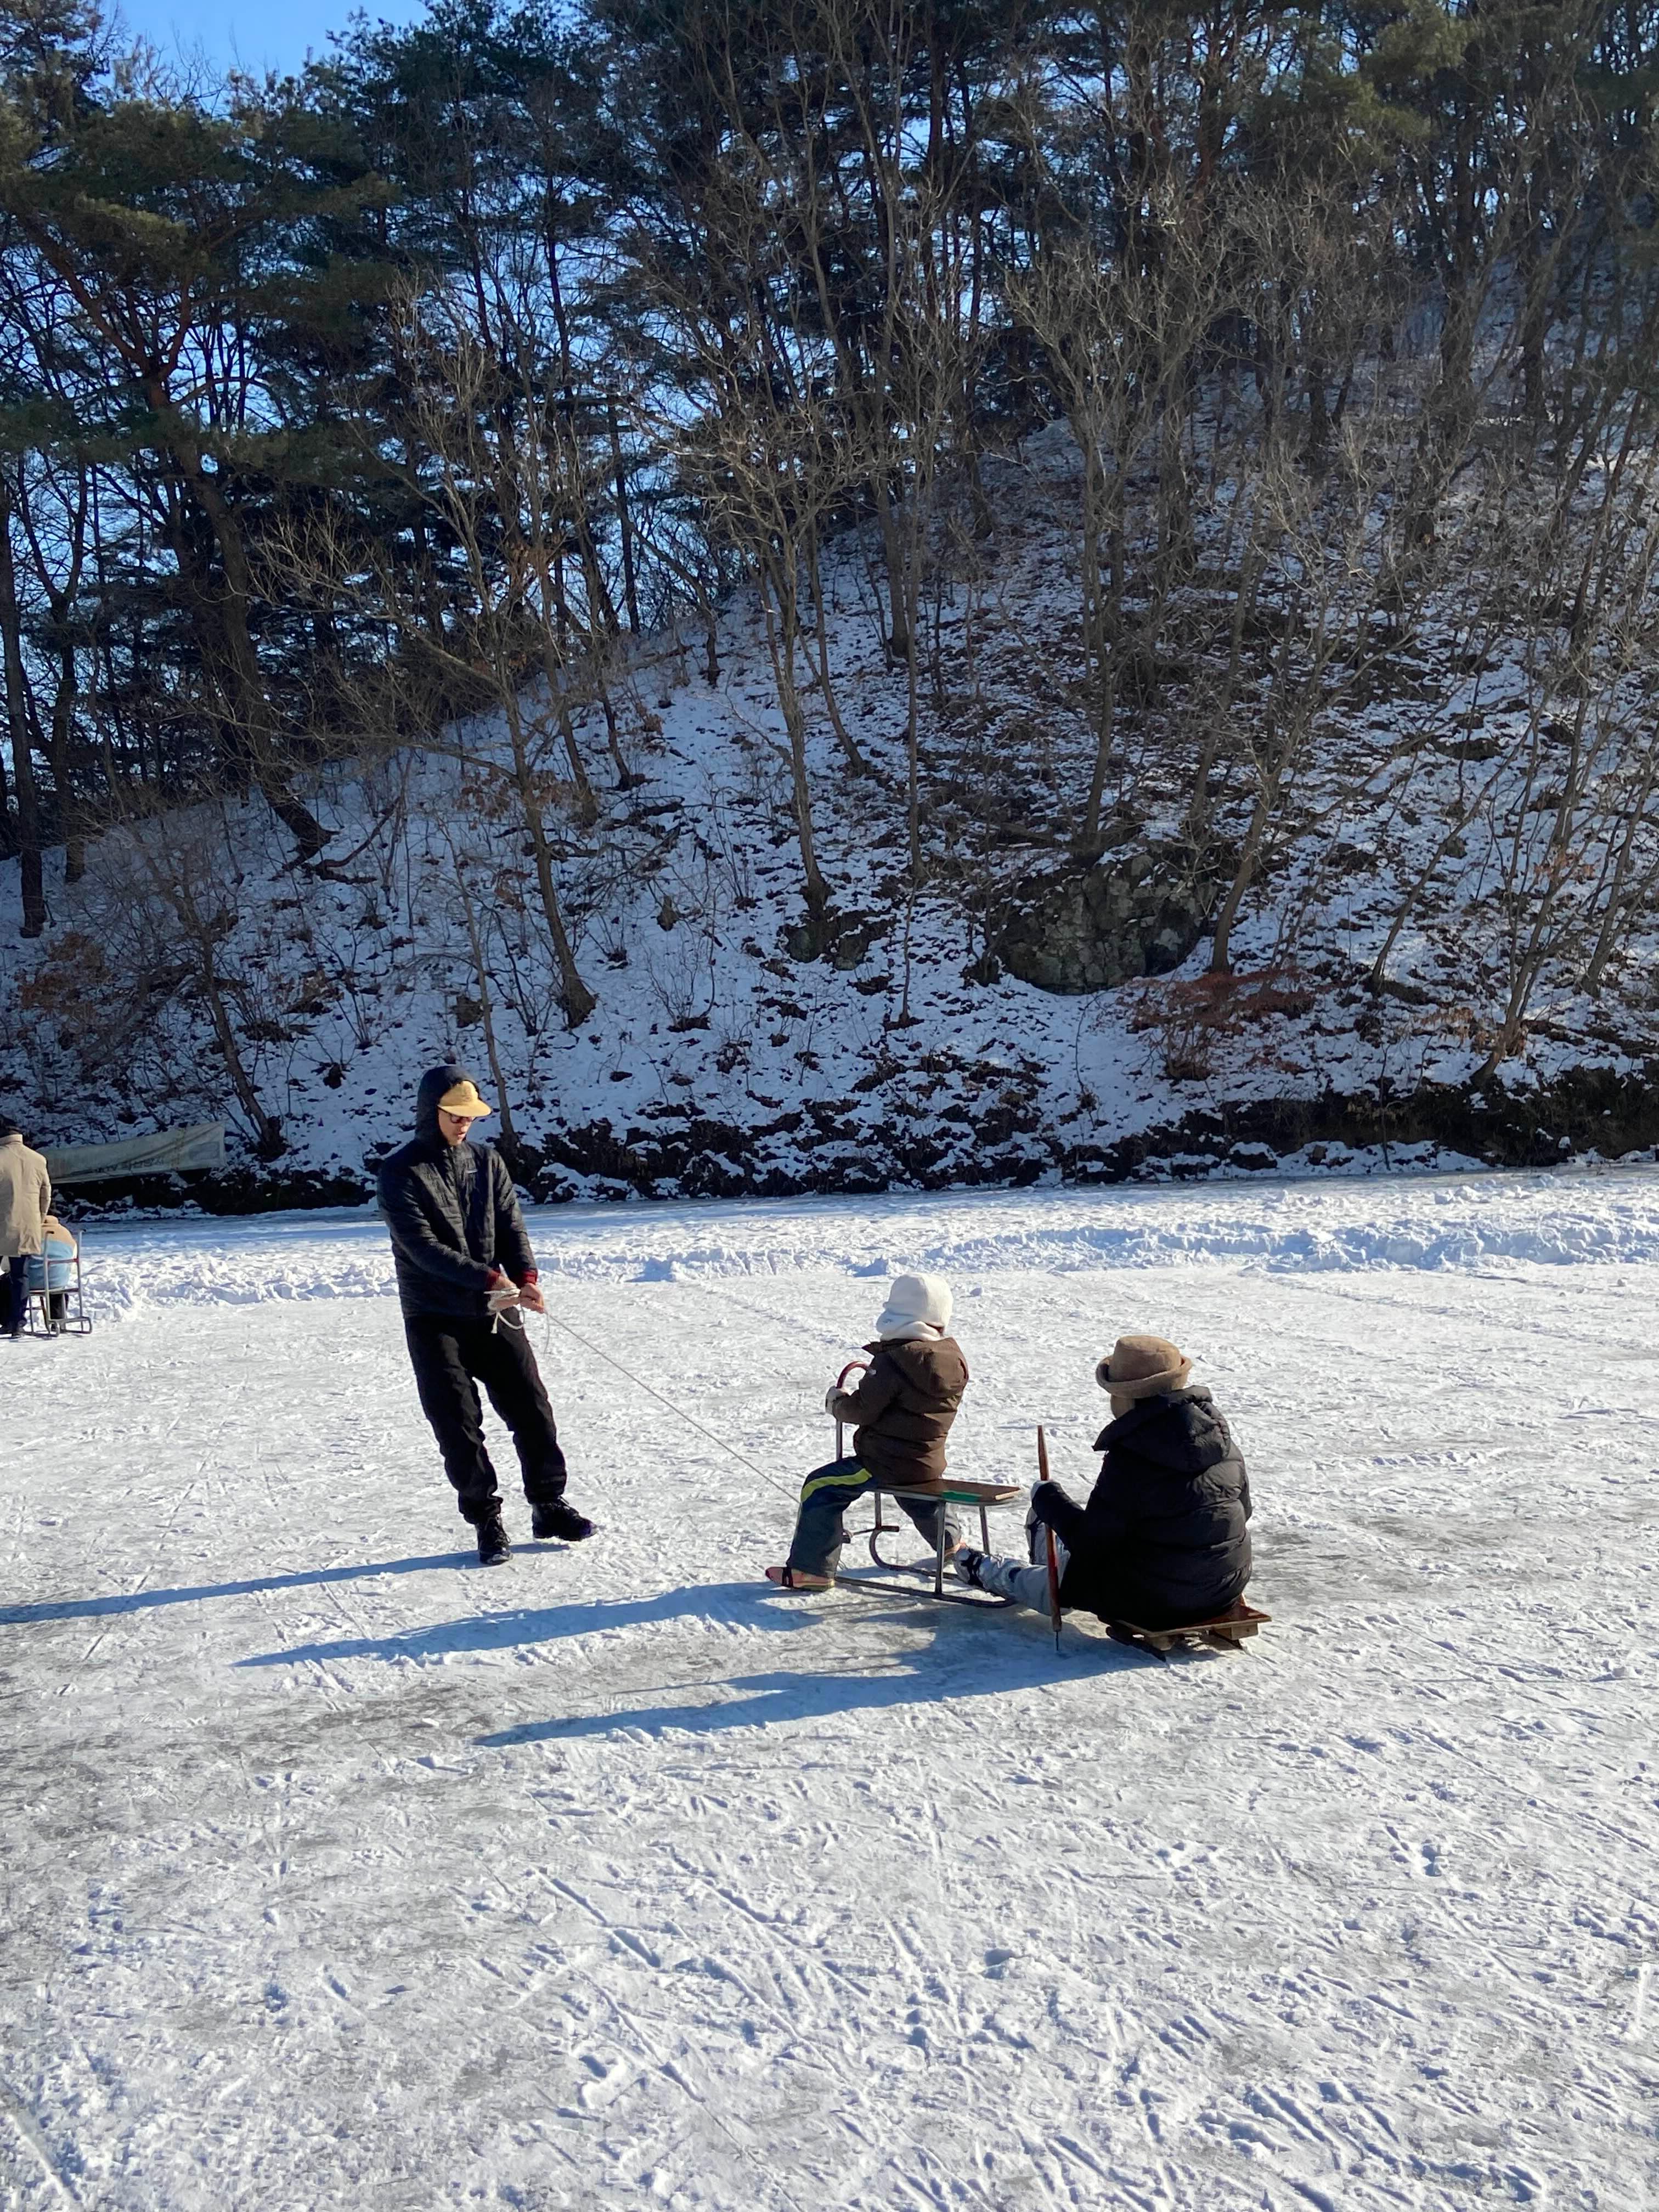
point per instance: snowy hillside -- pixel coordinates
(1375, 952)
(341, 1873)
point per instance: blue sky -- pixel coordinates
(255, 33)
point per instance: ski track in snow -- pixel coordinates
(343, 1873)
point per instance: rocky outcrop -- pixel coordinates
(994, 1133)
(1089, 927)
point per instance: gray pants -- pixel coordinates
(1026, 1586)
(820, 1530)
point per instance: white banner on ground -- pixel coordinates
(164, 1151)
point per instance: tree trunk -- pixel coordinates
(626, 778)
(899, 641)
(781, 640)
(577, 999)
(587, 806)
(485, 1004)
(63, 776)
(844, 738)
(255, 723)
(60, 592)
(267, 1129)
(625, 520)
(1103, 617)
(199, 935)
(17, 723)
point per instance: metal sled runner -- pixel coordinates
(984, 1495)
(53, 1279)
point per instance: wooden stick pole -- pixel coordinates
(1055, 1615)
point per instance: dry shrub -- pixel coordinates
(1190, 1019)
(71, 985)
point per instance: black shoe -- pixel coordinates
(558, 1519)
(493, 1546)
(968, 1565)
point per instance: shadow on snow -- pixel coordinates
(1024, 1658)
(924, 1679)
(95, 1609)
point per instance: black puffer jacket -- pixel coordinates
(453, 1212)
(1163, 1538)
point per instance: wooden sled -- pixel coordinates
(1226, 1632)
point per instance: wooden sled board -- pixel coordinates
(1225, 1632)
(951, 1492)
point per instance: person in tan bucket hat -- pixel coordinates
(1140, 1367)
(1162, 1539)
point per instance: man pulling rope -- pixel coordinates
(464, 1264)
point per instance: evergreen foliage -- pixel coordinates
(335, 405)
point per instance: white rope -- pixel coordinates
(516, 1320)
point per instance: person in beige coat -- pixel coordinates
(25, 1202)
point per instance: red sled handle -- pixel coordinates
(1055, 1615)
(851, 1368)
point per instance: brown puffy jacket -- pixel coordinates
(904, 1407)
(25, 1195)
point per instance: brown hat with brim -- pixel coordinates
(1143, 1367)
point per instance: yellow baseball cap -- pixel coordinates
(463, 1098)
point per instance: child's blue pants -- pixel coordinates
(820, 1530)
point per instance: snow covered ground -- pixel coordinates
(338, 1872)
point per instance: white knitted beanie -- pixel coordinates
(917, 1306)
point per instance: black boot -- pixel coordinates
(493, 1546)
(556, 1518)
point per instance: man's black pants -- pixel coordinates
(451, 1357)
(17, 1295)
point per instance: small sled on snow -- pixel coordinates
(1226, 1632)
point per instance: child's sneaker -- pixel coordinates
(788, 1577)
(968, 1564)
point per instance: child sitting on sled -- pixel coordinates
(901, 1412)
(1162, 1540)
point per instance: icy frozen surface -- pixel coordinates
(340, 1873)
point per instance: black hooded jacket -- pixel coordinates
(1163, 1539)
(453, 1212)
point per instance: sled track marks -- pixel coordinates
(37, 2155)
(615, 1875)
